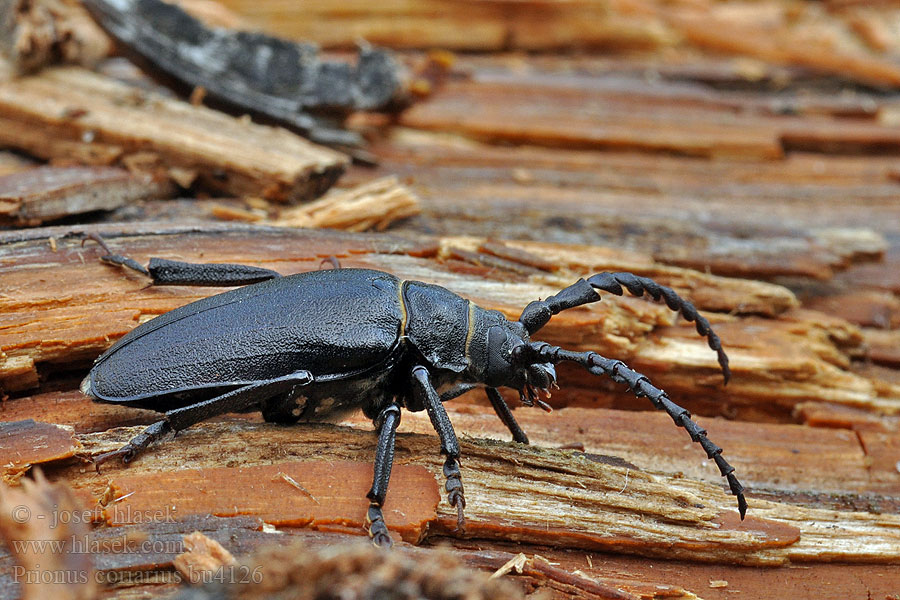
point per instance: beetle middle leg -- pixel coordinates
(182, 418)
(428, 397)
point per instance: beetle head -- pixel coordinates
(500, 358)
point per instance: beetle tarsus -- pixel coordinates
(426, 394)
(386, 425)
(455, 493)
(136, 445)
(111, 258)
(378, 531)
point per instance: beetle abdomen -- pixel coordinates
(325, 322)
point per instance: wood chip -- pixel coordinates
(44, 526)
(375, 205)
(202, 559)
(27, 443)
(36, 33)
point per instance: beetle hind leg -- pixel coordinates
(172, 272)
(136, 445)
(182, 418)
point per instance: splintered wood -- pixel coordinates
(27, 443)
(46, 535)
(76, 115)
(374, 205)
(513, 492)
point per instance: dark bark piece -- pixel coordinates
(280, 79)
(48, 193)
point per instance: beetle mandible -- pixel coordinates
(364, 339)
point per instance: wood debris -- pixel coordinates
(26, 443)
(336, 497)
(74, 114)
(31, 197)
(548, 497)
(851, 42)
(202, 559)
(375, 205)
(357, 570)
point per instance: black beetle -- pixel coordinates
(311, 346)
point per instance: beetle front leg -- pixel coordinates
(428, 397)
(386, 424)
(505, 414)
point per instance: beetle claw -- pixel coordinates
(377, 529)
(125, 452)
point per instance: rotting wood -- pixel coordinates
(203, 557)
(322, 495)
(74, 114)
(502, 110)
(535, 494)
(44, 527)
(765, 220)
(28, 442)
(31, 197)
